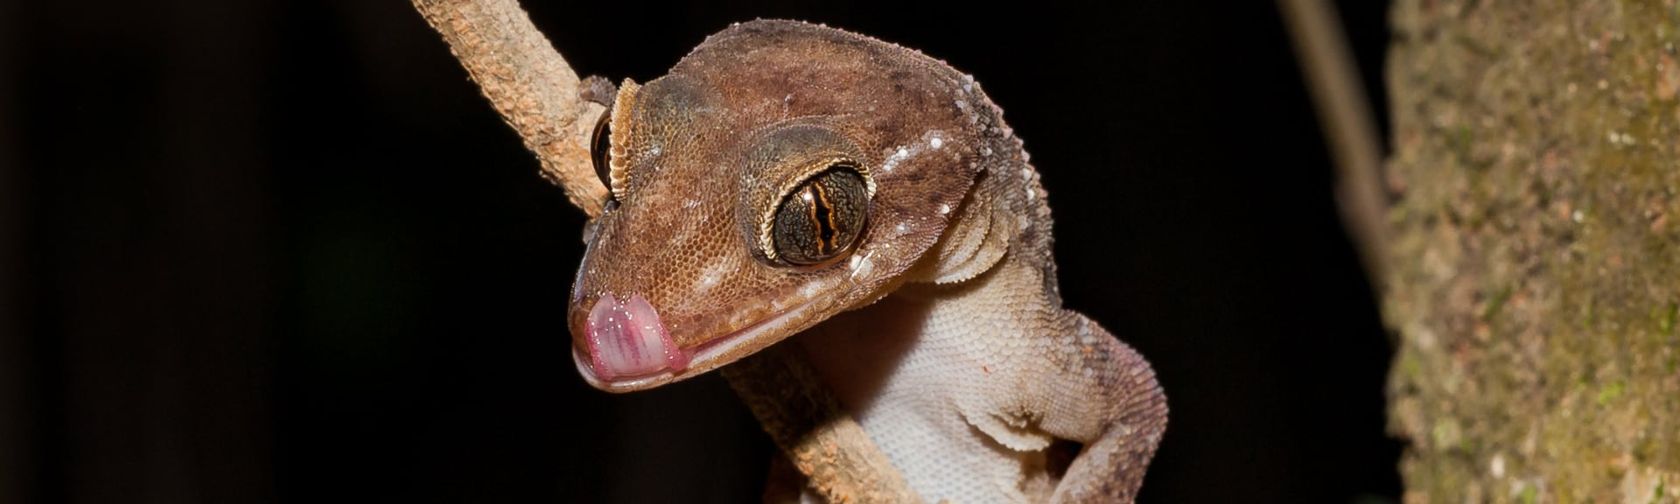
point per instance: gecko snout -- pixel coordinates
(625, 339)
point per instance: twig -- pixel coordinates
(536, 92)
(819, 438)
(1345, 115)
(528, 82)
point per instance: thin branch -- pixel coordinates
(529, 83)
(537, 93)
(819, 437)
(1345, 115)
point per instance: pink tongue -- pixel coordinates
(627, 340)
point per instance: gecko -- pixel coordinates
(795, 184)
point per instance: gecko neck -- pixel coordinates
(859, 352)
(892, 366)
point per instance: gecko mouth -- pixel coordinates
(630, 350)
(626, 338)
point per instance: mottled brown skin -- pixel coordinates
(708, 147)
(944, 312)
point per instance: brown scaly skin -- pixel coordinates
(941, 330)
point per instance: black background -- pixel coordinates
(259, 251)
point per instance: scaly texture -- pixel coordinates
(819, 436)
(535, 91)
(939, 328)
(1534, 251)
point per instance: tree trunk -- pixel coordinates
(1535, 263)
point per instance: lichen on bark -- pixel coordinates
(1535, 250)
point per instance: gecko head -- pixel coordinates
(780, 174)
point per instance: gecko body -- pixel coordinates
(789, 179)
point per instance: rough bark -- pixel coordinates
(1534, 250)
(530, 85)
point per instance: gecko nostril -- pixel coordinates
(626, 339)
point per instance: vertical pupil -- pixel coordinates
(823, 216)
(820, 219)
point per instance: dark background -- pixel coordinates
(260, 251)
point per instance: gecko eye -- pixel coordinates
(600, 152)
(822, 217)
